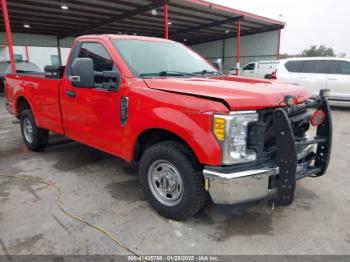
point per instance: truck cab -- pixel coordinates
(194, 132)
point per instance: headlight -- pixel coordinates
(231, 132)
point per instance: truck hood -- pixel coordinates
(238, 93)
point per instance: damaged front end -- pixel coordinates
(284, 154)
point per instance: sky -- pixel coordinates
(308, 22)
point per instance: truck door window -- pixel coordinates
(334, 67)
(294, 66)
(345, 68)
(249, 67)
(339, 67)
(315, 67)
(100, 57)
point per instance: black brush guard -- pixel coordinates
(286, 154)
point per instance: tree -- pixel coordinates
(285, 55)
(342, 55)
(322, 50)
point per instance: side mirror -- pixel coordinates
(82, 73)
(110, 82)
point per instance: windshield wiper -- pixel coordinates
(167, 73)
(206, 72)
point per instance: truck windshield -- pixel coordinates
(152, 59)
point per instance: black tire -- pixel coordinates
(40, 137)
(194, 195)
(2, 86)
(268, 76)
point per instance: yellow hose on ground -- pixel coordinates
(67, 213)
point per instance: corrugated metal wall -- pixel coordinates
(210, 50)
(35, 40)
(253, 48)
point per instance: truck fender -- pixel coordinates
(200, 140)
(20, 97)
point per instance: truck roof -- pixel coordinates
(118, 36)
(315, 58)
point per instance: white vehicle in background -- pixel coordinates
(261, 69)
(316, 73)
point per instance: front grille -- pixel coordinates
(261, 134)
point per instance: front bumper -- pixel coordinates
(240, 187)
(235, 187)
(275, 178)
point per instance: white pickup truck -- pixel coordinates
(259, 69)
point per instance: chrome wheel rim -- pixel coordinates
(28, 130)
(165, 182)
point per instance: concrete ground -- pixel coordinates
(105, 191)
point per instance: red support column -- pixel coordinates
(27, 53)
(279, 44)
(166, 20)
(8, 35)
(238, 46)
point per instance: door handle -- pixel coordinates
(71, 93)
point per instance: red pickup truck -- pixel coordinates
(193, 131)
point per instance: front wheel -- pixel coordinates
(35, 138)
(171, 182)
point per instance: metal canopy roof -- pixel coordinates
(192, 21)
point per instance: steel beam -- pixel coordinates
(243, 33)
(128, 14)
(209, 25)
(238, 45)
(166, 20)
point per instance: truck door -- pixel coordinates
(248, 70)
(313, 75)
(92, 115)
(338, 80)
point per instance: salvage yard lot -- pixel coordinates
(105, 191)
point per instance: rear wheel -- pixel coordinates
(36, 139)
(2, 86)
(171, 182)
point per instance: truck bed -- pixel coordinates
(43, 94)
